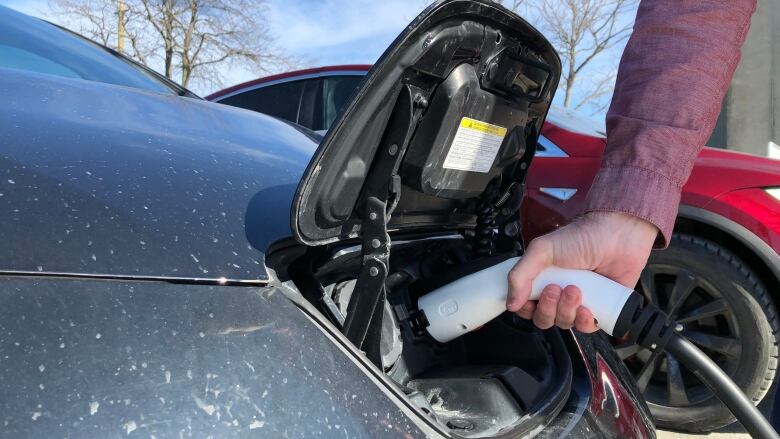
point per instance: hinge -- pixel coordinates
(370, 286)
(380, 196)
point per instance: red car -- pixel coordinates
(720, 276)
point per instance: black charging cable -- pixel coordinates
(651, 328)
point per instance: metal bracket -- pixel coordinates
(362, 325)
(370, 286)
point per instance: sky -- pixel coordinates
(321, 32)
(318, 32)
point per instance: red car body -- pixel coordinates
(725, 196)
(724, 200)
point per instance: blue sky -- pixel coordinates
(322, 32)
(319, 32)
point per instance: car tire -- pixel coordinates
(737, 329)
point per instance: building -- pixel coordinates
(750, 117)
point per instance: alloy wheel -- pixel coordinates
(707, 320)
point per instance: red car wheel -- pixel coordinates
(725, 310)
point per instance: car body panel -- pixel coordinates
(135, 183)
(96, 358)
(616, 405)
(542, 212)
(715, 173)
(753, 209)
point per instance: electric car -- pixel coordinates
(175, 267)
(720, 275)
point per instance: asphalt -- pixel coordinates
(733, 431)
(674, 435)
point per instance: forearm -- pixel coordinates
(671, 81)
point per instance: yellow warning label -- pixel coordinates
(475, 146)
(484, 127)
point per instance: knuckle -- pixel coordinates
(538, 243)
(570, 297)
(542, 323)
(551, 294)
(565, 317)
(514, 278)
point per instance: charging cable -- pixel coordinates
(473, 300)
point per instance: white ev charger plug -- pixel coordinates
(473, 300)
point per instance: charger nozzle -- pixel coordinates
(475, 299)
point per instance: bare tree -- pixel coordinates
(214, 32)
(582, 31)
(95, 19)
(190, 40)
(162, 18)
(513, 4)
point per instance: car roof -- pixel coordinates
(286, 76)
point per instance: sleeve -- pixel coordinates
(671, 82)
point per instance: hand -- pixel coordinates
(612, 244)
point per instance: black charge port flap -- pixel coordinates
(465, 139)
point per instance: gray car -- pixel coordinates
(173, 267)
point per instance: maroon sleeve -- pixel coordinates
(672, 78)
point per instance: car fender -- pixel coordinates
(768, 255)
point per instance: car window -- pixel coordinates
(280, 100)
(18, 58)
(30, 44)
(335, 94)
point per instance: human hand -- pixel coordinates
(612, 244)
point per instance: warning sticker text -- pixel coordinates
(475, 146)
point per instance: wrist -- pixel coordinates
(623, 223)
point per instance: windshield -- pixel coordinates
(27, 43)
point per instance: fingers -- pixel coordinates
(571, 299)
(527, 311)
(537, 257)
(559, 307)
(547, 307)
(584, 322)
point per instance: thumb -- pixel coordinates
(537, 257)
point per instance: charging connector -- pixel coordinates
(473, 300)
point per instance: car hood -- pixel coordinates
(735, 170)
(444, 122)
(112, 180)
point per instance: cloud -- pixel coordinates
(310, 25)
(339, 31)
